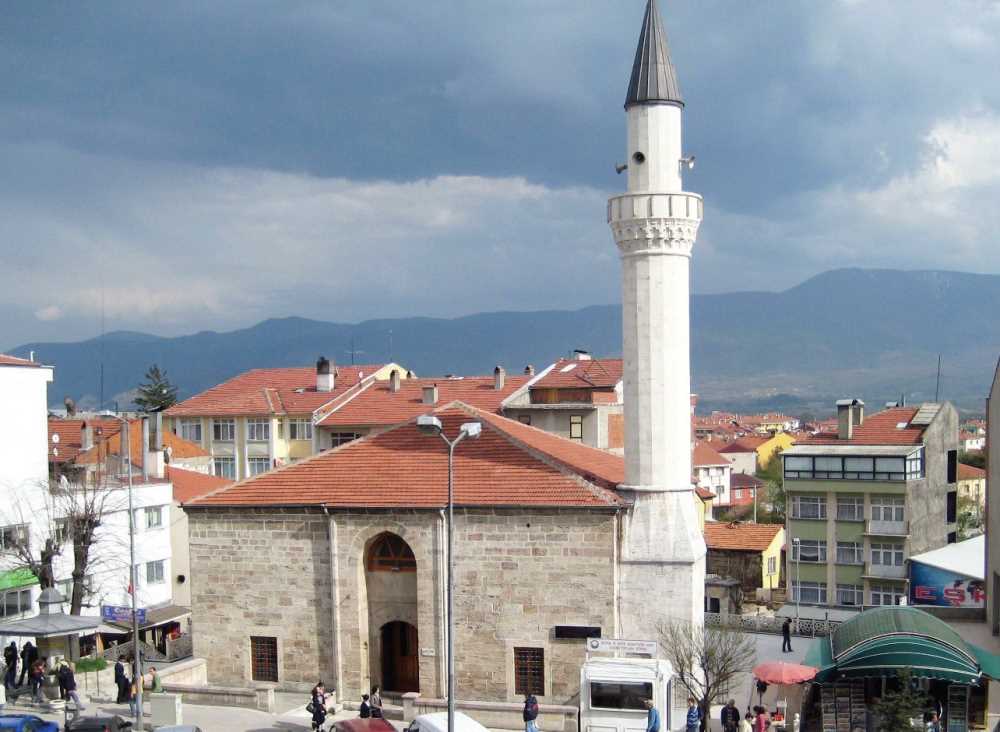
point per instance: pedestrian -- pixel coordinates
(530, 713)
(10, 658)
(693, 715)
(29, 654)
(3, 697)
(133, 695)
(317, 705)
(935, 724)
(68, 681)
(366, 708)
(652, 717)
(37, 679)
(730, 717)
(786, 636)
(746, 725)
(761, 722)
(155, 682)
(375, 701)
(121, 681)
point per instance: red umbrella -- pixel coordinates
(780, 672)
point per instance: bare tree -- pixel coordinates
(31, 539)
(706, 660)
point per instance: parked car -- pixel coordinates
(113, 723)
(438, 722)
(180, 728)
(26, 723)
(363, 725)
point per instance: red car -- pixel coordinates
(363, 725)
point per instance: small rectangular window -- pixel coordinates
(529, 671)
(225, 467)
(300, 429)
(263, 658)
(575, 427)
(342, 438)
(191, 430)
(258, 465)
(154, 517)
(609, 695)
(850, 508)
(952, 466)
(155, 572)
(223, 430)
(258, 430)
(524, 419)
(952, 507)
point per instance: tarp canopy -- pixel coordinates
(883, 641)
(13, 578)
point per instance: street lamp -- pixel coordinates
(797, 555)
(431, 425)
(133, 584)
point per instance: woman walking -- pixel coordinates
(318, 705)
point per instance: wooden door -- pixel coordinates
(400, 657)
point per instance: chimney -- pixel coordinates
(529, 370)
(499, 376)
(144, 447)
(326, 377)
(431, 394)
(581, 355)
(394, 381)
(86, 437)
(157, 442)
(850, 414)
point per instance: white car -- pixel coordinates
(438, 722)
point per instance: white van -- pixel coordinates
(613, 694)
(438, 722)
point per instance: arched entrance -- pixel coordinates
(391, 583)
(400, 662)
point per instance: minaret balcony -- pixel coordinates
(655, 223)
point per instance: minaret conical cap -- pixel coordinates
(654, 79)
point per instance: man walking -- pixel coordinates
(29, 654)
(652, 717)
(786, 636)
(68, 681)
(120, 681)
(693, 715)
(730, 717)
(530, 713)
(10, 658)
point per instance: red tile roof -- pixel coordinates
(70, 434)
(6, 360)
(739, 536)
(970, 472)
(704, 494)
(265, 392)
(743, 480)
(510, 464)
(375, 404)
(744, 444)
(881, 428)
(189, 484)
(704, 456)
(179, 447)
(597, 373)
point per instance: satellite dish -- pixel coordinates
(55, 439)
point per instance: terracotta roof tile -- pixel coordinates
(597, 373)
(748, 443)
(263, 392)
(189, 484)
(704, 494)
(375, 404)
(704, 456)
(739, 536)
(970, 472)
(70, 436)
(6, 360)
(509, 465)
(881, 428)
(111, 445)
(743, 480)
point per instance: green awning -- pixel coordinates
(17, 578)
(988, 662)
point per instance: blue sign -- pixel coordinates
(934, 586)
(118, 614)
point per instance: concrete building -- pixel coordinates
(972, 485)
(578, 398)
(747, 552)
(712, 472)
(863, 500)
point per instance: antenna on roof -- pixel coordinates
(937, 384)
(354, 351)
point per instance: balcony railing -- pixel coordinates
(887, 528)
(885, 571)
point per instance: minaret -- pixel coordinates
(655, 225)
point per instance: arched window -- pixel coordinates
(389, 553)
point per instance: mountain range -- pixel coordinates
(874, 334)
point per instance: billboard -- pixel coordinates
(934, 586)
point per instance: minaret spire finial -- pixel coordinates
(654, 79)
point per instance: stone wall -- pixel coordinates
(518, 574)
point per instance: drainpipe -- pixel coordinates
(331, 533)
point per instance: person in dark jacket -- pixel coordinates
(652, 717)
(29, 654)
(36, 677)
(786, 636)
(366, 708)
(67, 681)
(318, 705)
(730, 717)
(10, 658)
(530, 713)
(121, 681)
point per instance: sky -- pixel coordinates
(186, 166)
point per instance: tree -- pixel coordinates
(706, 659)
(975, 458)
(772, 474)
(970, 518)
(156, 393)
(900, 703)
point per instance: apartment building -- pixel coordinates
(862, 500)
(712, 472)
(264, 418)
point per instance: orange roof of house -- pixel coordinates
(510, 464)
(189, 484)
(111, 445)
(740, 536)
(375, 404)
(743, 480)
(704, 456)
(881, 428)
(970, 472)
(749, 443)
(6, 360)
(266, 392)
(596, 373)
(70, 434)
(704, 494)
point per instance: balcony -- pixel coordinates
(885, 571)
(887, 528)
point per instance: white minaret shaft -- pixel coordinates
(654, 226)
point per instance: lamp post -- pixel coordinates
(133, 584)
(431, 425)
(797, 555)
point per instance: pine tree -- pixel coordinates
(899, 705)
(156, 393)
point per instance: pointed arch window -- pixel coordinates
(389, 553)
